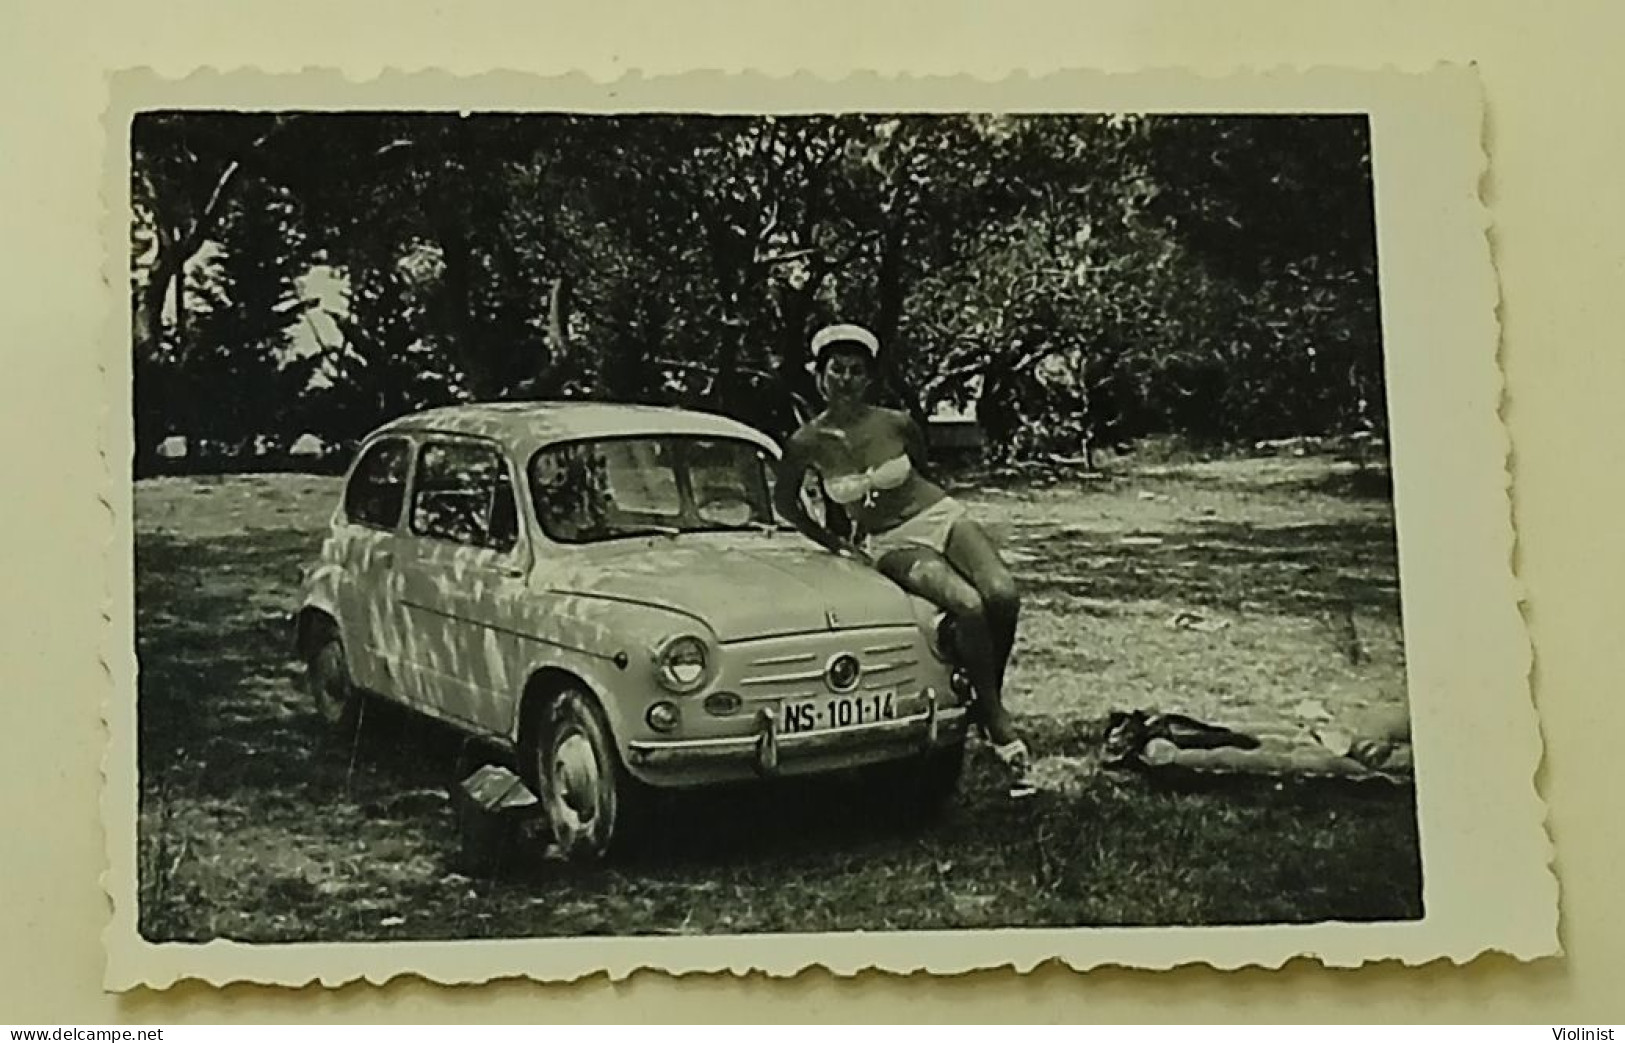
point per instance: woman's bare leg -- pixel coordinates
(923, 571)
(973, 554)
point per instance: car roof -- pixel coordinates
(527, 426)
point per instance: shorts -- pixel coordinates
(930, 529)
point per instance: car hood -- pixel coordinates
(741, 586)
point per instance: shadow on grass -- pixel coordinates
(308, 839)
(1301, 569)
(1363, 483)
(1110, 851)
(221, 699)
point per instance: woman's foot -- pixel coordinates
(1017, 761)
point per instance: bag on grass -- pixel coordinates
(1176, 742)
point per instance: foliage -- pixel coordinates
(233, 382)
(1082, 280)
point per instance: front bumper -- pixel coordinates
(772, 751)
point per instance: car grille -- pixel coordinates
(793, 667)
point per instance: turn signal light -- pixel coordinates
(722, 704)
(662, 716)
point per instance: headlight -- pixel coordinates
(680, 664)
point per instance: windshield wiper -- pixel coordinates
(652, 530)
(767, 528)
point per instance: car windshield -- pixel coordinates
(610, 488)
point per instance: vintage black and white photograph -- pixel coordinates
(562, 524)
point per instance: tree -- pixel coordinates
(238, 380)
(185, 171)
(474, 196)
(1081, 278)
(1280, 212)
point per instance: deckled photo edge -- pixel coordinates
(119, 799)
(133, 961)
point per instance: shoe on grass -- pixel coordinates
(1018, 762)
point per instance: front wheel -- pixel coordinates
(594, 805)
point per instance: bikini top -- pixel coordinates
(849, 488)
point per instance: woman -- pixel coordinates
(871, 462)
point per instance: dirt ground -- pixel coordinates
(1253, 593)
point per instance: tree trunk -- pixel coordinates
(544, 380)
(558, 337)
(795, 379)
(181, 343)
(889, 286)
(148, 321)
(457, 303)
(888, 321)
(1086, 405)
(995, 415)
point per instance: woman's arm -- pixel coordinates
(914, 441)
(787, 498)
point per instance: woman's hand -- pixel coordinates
(856, 553)
(793, 466)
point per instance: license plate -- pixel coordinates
(839, 711)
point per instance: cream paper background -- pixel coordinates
(1556, 147)
(1486, 885)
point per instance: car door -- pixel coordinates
(369, 597)
(464, 581)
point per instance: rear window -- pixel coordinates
(377, 489)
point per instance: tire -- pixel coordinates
(327, 678)
(595, 806)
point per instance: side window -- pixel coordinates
(463, 494)
(377, 489)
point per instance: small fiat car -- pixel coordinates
(606, 592)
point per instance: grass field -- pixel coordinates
(255, 827)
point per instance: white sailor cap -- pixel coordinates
(844, 333)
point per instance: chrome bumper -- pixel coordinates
(769, 743)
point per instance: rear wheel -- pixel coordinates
(594, 804)
(327, 677)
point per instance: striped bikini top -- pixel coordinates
(850, 488)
